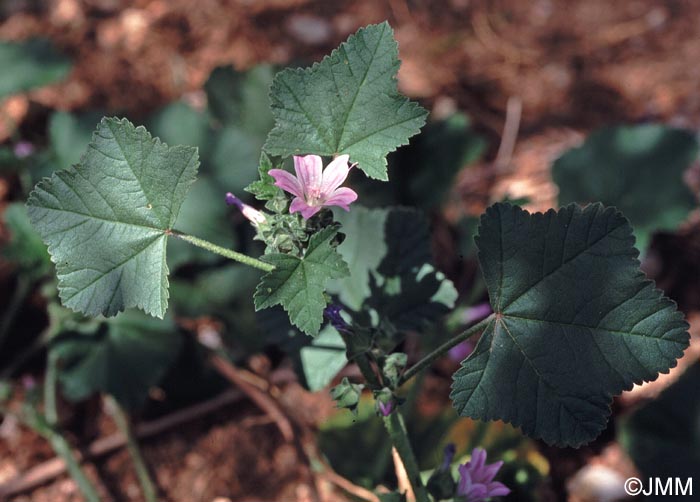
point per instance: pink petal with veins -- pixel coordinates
(287, 182)
(309, 170)
(335, 173)
(342, 197)
(297, 205)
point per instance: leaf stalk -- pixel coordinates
(226, 253)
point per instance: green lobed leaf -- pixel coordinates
(106, 221)
(29, 64)
(298, 284)
(124, 358)
(346, 104)
(575, 322)
(638, 169)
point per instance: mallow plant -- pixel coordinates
(573, 320)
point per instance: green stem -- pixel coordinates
(427, 360)
(399, 437)
(18, 296)
(62, 449)
(227, 253)
(123, 424)
(58, 442)
(50, 381)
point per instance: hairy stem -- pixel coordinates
(227, 253)
(124, 425)
(47, 428)
(399, 437)
(442, 349)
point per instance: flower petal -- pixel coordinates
(478, 493)
(334, 175)
(497, 489)
(342, 197)
(310, 172)
(465, 480)
(478, 459)
(287, 182)
(489, 472)
(297, 205)
(309, 211)
(300, 205)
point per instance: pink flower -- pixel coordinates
(476, 482)
(314, 187)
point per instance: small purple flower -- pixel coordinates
(252, 214)
(23, 149)
(476, 482)
(313, 187)
(385, 408)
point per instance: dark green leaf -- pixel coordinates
(126, 357)
(392, 272)
(638, 169)
(663, 437)
(575, 322)
(298, 284)
(25, 246)
(106, 221)
(30, 64)
(347, 103)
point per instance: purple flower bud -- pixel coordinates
(448, 456)
(332, 313)
(253, 215)
(385, 408)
